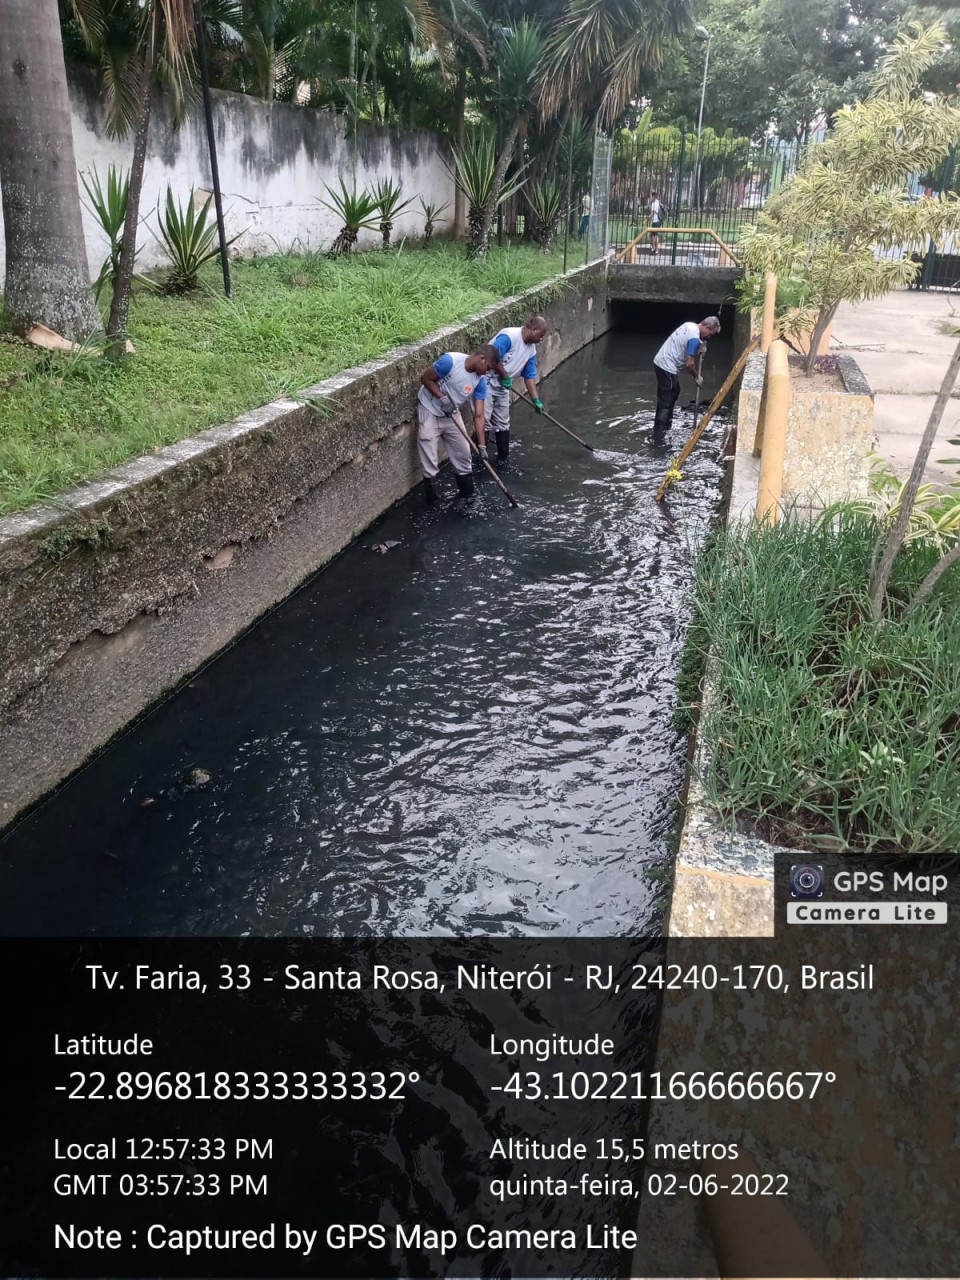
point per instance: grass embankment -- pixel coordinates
(826, 730)
(293, 320)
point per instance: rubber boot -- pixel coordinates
(467, 486)
(430, 489)
(503, 445)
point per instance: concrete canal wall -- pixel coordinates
(136, 579)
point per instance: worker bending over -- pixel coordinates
(679, 352)
(517, 357)
(446, 385)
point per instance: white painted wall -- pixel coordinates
(274, 161)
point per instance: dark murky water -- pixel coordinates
(470, 734)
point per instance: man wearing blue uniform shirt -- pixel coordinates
(679, 352)
(444, 386)
(517, 352)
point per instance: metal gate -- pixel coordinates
(720, 182)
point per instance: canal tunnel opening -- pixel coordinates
(659, 317)
(461, 725)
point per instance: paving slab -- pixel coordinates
(903, 343)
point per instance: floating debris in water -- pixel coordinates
(198, 778)
(383, 547)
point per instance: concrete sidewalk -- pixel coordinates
(903, 344)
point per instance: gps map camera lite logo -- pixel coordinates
(806, 880)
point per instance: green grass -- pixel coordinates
(825, 730)
(200, 360)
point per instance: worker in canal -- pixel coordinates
(445, 386)
(677, 355)
(517, 358)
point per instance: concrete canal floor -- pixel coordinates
(468, 733)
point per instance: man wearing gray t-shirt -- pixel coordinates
(679, 352)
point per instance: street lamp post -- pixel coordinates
(702, 34)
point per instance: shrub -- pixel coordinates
(824, 728)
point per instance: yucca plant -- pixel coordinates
(109, 206)
(387, 195)
(189, 239)
(431, 213)
(546, 200)
(357, 210)
(475, 169)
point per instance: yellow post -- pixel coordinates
(769, 312)
(774, 426)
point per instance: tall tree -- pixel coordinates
(164, 30)
(600, 50)
(518, 66)
(47, 276)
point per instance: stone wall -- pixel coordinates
(134, 580)
(274, 161)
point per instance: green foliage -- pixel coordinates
(474, 168)
(547, 200)
(295, 319)
(777, 61)
(189, 239)
(600, 51)
(431, 212)
(820, 723)
(386, 196)
(109, 206)
(357, 210)
(825, 225)
(934, 513)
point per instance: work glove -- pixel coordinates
(506, 381)
(446, 406)
(698, 381)
(482, 455)
(538, 405)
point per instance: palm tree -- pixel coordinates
(517, 72)
(164, 39)
(47, 277)
(598, 52)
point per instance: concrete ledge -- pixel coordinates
(130, 582)
(713, 286)
(830, 430)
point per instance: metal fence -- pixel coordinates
(707, 181)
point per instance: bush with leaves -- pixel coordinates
(189, 239)
(357, 210)
(431, 212)
(387, 195)
(546, 199)
(109, 206)
(828, 731)
(474, 168)
(851, 198)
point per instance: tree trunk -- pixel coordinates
(460, 137)
(881, 577)
(935, 574)
(123, 281)
(824, 320)
(493, 200)
(47, 275)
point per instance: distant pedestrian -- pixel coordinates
(586, 204)
(445, 385)
(679, 352)
(656, 220)
(517, 358)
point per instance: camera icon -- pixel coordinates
(806, 880)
